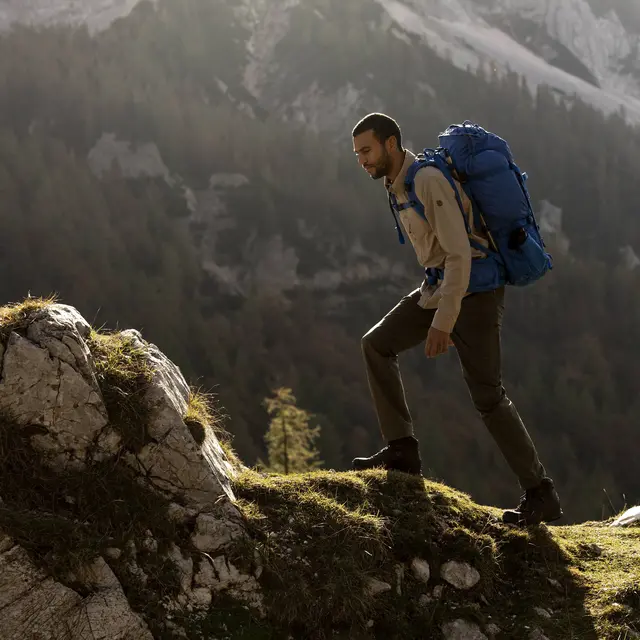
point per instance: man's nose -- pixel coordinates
(361, 160)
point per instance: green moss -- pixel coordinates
(123, 373)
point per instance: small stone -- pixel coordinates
(484, 600)
(459, 574)
(554, 583)
(181, 599)
(97, 575)
(536, 634)
(201, 597)
(374, 587)
(421, 569)
(369, 624)
(259, 565)
(462, 630)
(176, 512)
(424, 600)
(6, 543)
(596, 549)
(492, 629)
(150, 544)
(542, 612)
(136, 571)
(113, 552)
(437, 591)
(399, 578)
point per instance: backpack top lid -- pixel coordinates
(465, 142)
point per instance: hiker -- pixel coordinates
(442, 313)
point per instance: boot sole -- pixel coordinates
(524, 523)
(383, 468)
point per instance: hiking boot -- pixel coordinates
(399, 455)
(540, 504)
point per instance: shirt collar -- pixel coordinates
(397, 186)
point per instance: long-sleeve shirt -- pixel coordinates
(440, 241)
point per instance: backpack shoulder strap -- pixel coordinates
(435, 158)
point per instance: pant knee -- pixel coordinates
(371, 343)
(367, 341)
(488, 400)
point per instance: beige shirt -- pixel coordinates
(441, 241)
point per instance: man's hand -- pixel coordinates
(437, 343)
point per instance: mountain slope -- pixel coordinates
(570, 46)
(461, 35)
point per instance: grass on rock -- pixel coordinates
(18, 316)
(202, 416)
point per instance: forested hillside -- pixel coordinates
(270, 277)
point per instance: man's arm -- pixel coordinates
(444, 216)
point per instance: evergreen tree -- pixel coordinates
(290, 439)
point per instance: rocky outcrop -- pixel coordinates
(52, 393)
(34, 605)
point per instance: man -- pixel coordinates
(443, 315)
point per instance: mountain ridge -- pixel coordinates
(569, 46)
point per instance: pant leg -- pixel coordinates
(405, 326)
(477, 339)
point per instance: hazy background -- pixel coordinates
(185, 168)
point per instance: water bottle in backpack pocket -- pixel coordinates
(523, 255)
(525, 259)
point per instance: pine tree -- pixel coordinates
(290, 439)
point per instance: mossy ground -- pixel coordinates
(323, 534)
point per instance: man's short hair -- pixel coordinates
(383, 128)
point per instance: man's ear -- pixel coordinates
(391, 144)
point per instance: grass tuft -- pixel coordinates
(18, 316)
(202, 415)
(123, 373)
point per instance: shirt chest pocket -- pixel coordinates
(419, 233)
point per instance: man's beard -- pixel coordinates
(382, 168)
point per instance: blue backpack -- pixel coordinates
(501, 207)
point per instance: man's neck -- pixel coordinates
(398, 161)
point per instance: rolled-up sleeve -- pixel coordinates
(444, 215)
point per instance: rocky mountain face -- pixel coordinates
(585, 47)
